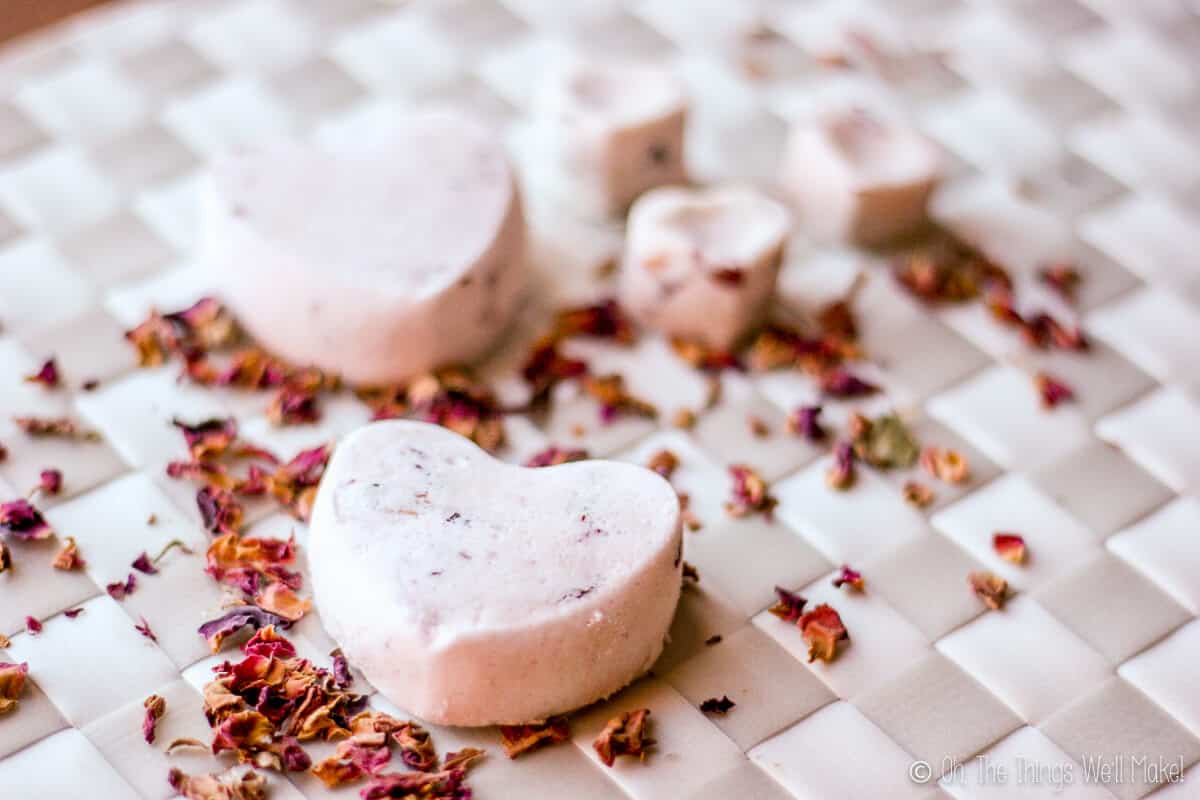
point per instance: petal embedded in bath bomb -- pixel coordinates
(474, 592)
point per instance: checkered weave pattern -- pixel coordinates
(1070, 128)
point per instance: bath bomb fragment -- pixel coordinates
(701, 264)
(859, 177)
(379, 261)
(613, 131)
(474, 592)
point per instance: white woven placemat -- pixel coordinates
(1071, 124)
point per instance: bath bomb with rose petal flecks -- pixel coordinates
(376, 261)
(474, 592)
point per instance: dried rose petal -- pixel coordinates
(945, 464)
(1062, 277)
(609, 391)
(68, 558)
(293, 405)
(714, 705)
(804, 421)
(518, 739)
(789, 607)
(840, 382)
(446, 785)
(885, 442)
(546, 367)
(778, 347)
(294, 484)
(849, 577)
(664, 462)
(750, 493)
(33, 626)
(841, 472)
(279, 599)
(5, 557)
(624, 735)
(759, 428)
(703, 357)
(341, 669)
(215, 631)
(1052, 391)
(823, 629)
(210, 438)
(604, 320)
(143, 627)
(5, 642)
(416, 746)
(220, 512)
(948, 270)
(1009, 546)
(72, 613)
(12, 681)
(155, 707)
(23, 522)
(55, 427)
(990, 588)
(50, 481)
(917, 494)
(119, 590)
(462, 759)
(553, 456)
(248, 786)
(47, 376)
(684, 419)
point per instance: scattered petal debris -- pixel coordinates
(1061, 276)
(55, 427)
(143, 627)
(822, 629)
(119, 590)
(12, 681)
(841, 474)
(841, 383)
(215, 631)
(684, 419)
(945, 464)
(624, 735)
(5, 557)
(47, 375)
(1052, 390)
(1009, 546)
(68, 558)
(805, 421)
(50, 481)
(759, 428)
(247, 786)
(990, 588)
(917, 494)
(553, 456)
(664, 462)
(19, 519)
(884, 442)
(155, 708)
(750, 493)
(714, 705)
(615, 401)
(789, 606)
(849, 577)
(33, 626)
(341, 669)
(72, 613)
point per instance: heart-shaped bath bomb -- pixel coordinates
(474, 592)
(379, 260)
(701, 264)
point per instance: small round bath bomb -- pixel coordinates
(377, 261)
(474, 592)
